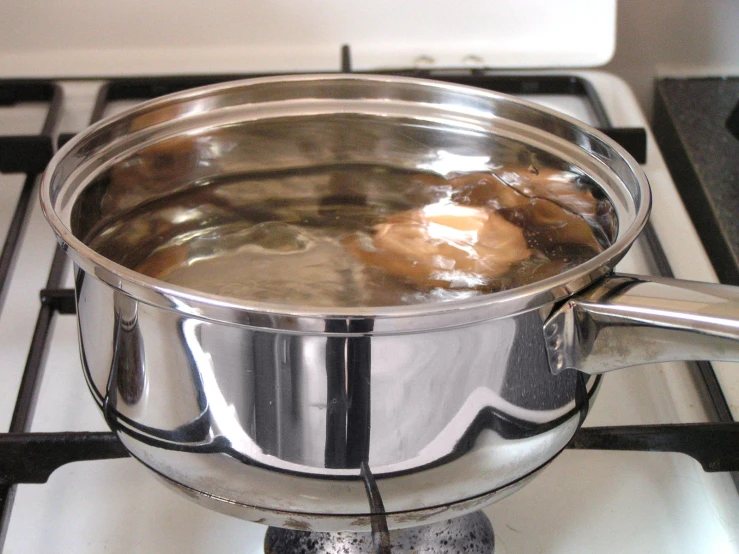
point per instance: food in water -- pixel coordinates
(443, 244)
(551, 206)
(483, 230)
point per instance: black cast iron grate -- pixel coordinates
(32, 457)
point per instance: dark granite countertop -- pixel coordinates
(690, 125)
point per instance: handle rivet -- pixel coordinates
(550, 329)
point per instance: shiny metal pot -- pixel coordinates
(289, 415)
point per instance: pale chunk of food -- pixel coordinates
(443, 244)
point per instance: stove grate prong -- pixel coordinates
(714, 445)
(33, 457)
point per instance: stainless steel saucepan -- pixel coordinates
(287, 413)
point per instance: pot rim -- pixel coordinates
(363, 320)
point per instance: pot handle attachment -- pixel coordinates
(625, 320)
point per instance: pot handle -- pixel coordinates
(625, 320)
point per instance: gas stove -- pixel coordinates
(85, 66)
(585, 500)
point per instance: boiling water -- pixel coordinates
(348, 236)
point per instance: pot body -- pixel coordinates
(281, 422)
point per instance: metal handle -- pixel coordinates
(626, 320)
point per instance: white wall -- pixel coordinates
(674, 37)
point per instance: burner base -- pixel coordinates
(472, 534)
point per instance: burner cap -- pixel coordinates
(471, 534)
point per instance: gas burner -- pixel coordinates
(471, 533)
